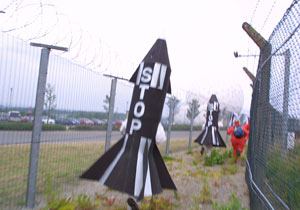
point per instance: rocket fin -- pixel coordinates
(220, 140)
(96, 171)
(163, 174)
(201, 137)
(208, 138)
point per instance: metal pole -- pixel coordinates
(110, 113)
(287, 55)
(37, 127)
(191, 128)
(37, 123)
(169, 127)
(10, 98)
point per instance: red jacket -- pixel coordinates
(237, 143)
(247, 128)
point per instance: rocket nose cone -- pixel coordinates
(213, 98)
(158, 53)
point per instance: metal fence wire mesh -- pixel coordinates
(273, 162)
(64, 152)
(68, 143)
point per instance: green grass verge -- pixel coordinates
(63, 161)
(18, 126)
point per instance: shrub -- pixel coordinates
(88, 127)
(234, 204)
(183, 127)
(53, 127)
(214, 158)
(158, 203)
(232, 169)
(168, 159)
(18, 126)
(94, 127)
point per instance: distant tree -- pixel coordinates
(223, 115)
(106, 104)
(175, 101)
(50, 99)
(194, 103)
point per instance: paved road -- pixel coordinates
(24, 137)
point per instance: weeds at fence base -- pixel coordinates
(158, 202)
(282, 174)
(234, 204)
(55, 201)
(231, 169)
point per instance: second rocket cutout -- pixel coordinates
(210, 136)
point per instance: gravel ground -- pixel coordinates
(189, 175)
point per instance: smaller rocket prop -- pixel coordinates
(210, 135)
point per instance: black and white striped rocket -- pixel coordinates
(134, 164)
(210, 136)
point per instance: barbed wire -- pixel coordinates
(255, 60)
(268, 16)
(254, 11)
(84, 48)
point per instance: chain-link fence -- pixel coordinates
(52, 138)
(68, 134)
(273, 163)
(55, 120)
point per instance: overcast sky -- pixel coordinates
(201, 36)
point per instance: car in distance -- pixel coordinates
(47, 120)
(14, 116)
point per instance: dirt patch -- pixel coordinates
(197, 185)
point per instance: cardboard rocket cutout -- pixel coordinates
(134, 164)
(210, 135)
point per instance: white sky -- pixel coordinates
(201, 35)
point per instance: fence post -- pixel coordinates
(285, 113)
(169, 127)
(110, 113)
(37, 123)
(191, 128)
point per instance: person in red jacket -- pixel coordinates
(247, 128)
(237, 138)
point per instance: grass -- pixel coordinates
(63, 161)
(233, 204)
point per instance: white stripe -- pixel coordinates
(113, 164)
(215, 106)
(202, 140)
(155, 75)
(148, 188)
(218, 139)
(213, 135)
(138, 185)
(162, 76)
(138, 78)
